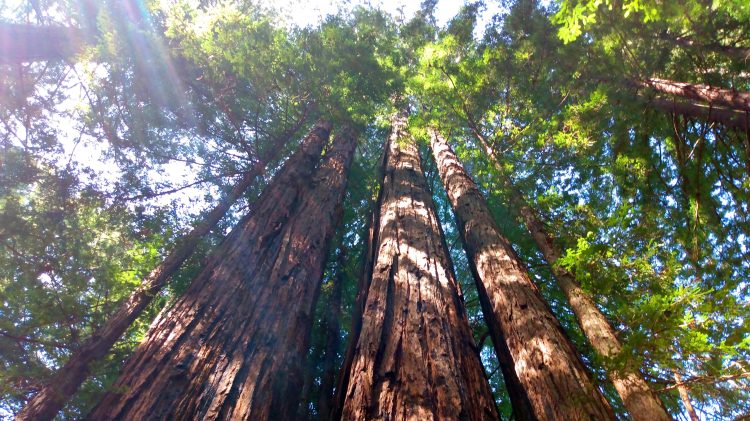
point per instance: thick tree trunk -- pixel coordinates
(642, 403)
(21, 43)
(728, 118)
(333, 339)
(557, 384)
(66, 381)
(729, 98)
(233, 345)
(415, 357)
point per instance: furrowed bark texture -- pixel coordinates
(415, 358)
(66, 381)
(232, 347)
(333, 338)
(730, 98)
(642, 403)
(21, 43)
(557, 384)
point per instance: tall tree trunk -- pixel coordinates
(66, 381)
(20, 43)
(728, 118)
(557, 384)
(232, 346)
(358, 309)
(642, 403)
(333, 338)
(415, 357)
(711, 95)
(685, 397)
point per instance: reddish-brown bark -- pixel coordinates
(642, 403)
(232, 346)
(415, 357)
(711, 95)
(66, 381)
(557, 384)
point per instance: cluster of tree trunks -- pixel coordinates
(415, 357)
(232, 346)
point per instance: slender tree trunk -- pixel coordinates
(557, 384)
(642, 403)
(358, 309)
(729, 98)
(21, 43)
(333, 338)
(415, 357)
(728, 118)
(232, 346)
(66, 381)
(740, 53)
(685, 397)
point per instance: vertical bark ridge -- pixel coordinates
(66, 381)
(363, 286)
(232, 346)
(557, 384)
(414, 357)
(638, 398)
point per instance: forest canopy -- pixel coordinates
(523, 210)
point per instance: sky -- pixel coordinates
(304, 13)
(309, 12)
(89, 152)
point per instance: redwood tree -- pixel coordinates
(639, 399)
(415, 357)
(557, 384)
(233, 344)
(66, 381)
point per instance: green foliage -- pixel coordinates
(650, 210)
